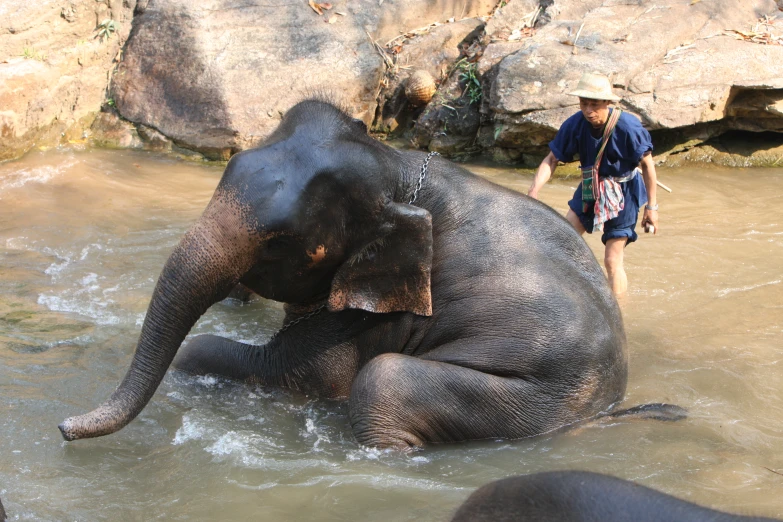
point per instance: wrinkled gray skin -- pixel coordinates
(581, 496)
(474, 313)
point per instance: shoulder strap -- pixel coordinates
(614, 117)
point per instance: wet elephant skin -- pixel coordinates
(581, 496)
(473, 313)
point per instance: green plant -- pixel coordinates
(469, 76)
(106, 28)
(31, 54)
(110, 102)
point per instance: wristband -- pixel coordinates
(651, 207)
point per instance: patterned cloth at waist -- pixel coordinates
(623, 179)
(610, 199)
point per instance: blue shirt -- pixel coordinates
(625, 149)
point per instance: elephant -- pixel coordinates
(444, 307)
(581, 496)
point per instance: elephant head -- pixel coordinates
(319, 213)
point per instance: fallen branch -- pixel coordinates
(414, 32)
(759, 34)
(577, 37)
(381, 52)
(532, 17)
(764, 37)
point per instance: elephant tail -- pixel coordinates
(655, 411)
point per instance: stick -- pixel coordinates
(577, 37)
(380, 50)
(664, 187)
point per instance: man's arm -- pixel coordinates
(543, 174)
(651, 183)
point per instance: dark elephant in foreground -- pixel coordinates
(581, 496)
(446, 308)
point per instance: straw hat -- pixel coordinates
(594, 86)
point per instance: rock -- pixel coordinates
(449, 124)
(216, 78)
(733, 149)
(53, 69)
(207, 74)
(154, 140)
(674, 64)
(110, 131)
(511, 18)
(434, 49)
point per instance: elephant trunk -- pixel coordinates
(204, 267)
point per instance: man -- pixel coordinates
(612, 203)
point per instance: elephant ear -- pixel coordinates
(391, 273)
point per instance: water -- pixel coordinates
(84, 235)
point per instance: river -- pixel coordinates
(84, 235)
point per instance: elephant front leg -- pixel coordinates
(403, 402)
(211, 354)
(327, 372)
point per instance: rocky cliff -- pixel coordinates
(216, 76)
(56, 58)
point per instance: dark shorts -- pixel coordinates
(635, 195)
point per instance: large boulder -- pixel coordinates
(55, 64)
(216, 76)
(676, 65)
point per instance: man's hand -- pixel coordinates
(543, 174)
(650, 182)
(650, 218)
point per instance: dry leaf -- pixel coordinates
(315, 7)
(331, 20)
(325, 6)
(695, 1)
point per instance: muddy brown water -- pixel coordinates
(84, 235)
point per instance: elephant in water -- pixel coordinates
(444, 307)
(581, 496)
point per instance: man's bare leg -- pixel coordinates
(613, 261)
(613, 257)
(574, 220)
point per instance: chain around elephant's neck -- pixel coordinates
(422, 174)
(299, 319)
